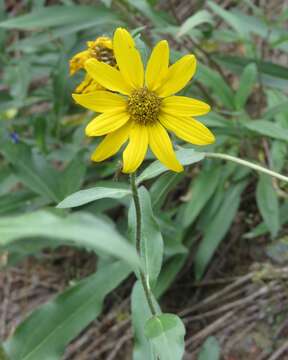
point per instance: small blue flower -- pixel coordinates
(14, 137)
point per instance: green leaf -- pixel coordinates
(156, 17)
(3, 355)
(79, 229)
(140, 312)
(268, 204)
(200, 17)
(217, 228)
(278, 110)
(166, 333)
(247, 82)
(46, 332)
(151, 243)
(202, 189)
(15, 201)
(210, 349)
(33, 170)
(262, 229)
(215, 81)
(168, 273)
(271, 74)
(185, 156)
(38, 39)
(161, 187)
(267, 128)
(52, 16)
(86, 196)
(73, 175)
(232, 19)
(263, 28)
(215, 120)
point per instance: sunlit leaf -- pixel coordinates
(81, 230)
(166, 333)
(185, 156)
(86, 196)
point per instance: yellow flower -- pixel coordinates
(100, 49)
(146, 107)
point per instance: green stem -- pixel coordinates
(248, 164)
(143, 278)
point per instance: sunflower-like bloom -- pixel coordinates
(140, 106)
(100, 49)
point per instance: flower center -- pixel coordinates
(144, 106)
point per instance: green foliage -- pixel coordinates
(48, 17)
(210, 349)
(46, 332)
(86, 196)
(140, 314)
(152, 243)
(44, 161)
(247, 81)
(81, 230)
(166, 333)
(268, 204)
(199, 18)
(217, 227)
(185, 156)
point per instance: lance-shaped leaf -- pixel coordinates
(86, 196)
(151, 238)
(81, 230)
(185, 156)
(46, 332)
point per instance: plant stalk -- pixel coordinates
(248, 164)
(143, 278)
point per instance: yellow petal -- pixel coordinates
(109, 77)
(111, 143)
(106, 123)
(88, 85)
(128, 58)
(188, 129)
(184, 106)
(157, 66)
(178, 76)
(101, 101)
(77, 62)
(135, 151)
(161, 147)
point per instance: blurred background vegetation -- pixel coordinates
(224, 226)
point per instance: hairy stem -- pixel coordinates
(143, 278)
(248, 164)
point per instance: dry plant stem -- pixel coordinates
(143, 278)
(278, 354)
